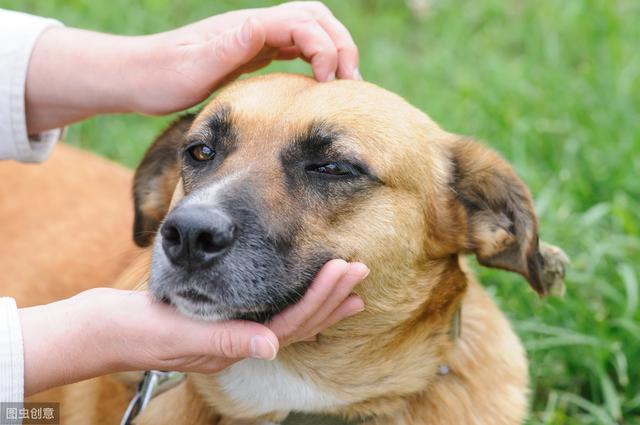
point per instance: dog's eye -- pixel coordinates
(201, 152)
(333, 169)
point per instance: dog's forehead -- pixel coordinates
(268, 113)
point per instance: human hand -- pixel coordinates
(105, 330)
(74, 74)
(180, 68)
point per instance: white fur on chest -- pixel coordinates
(263, 386)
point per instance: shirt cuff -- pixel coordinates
(11, 353)
(18, 35)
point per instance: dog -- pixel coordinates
(239, 206)
(279, 174)
(63, 225)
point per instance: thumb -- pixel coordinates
(235, 340)
(237, 46)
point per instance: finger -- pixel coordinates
(317, 47)
(348, 56)
(349, 307)
(354, 275)
(236, 47)
(227, 339)
(286, 324)
(291, 27)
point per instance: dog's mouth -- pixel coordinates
(194, 295)
(199, 305)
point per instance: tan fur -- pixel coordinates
(65, 225)
(442, 197)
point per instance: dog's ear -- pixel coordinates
(498, 214)
(156, 179)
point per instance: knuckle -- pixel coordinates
(309, 7)
(313, 5)
(303, 16)
(224, 343)
(291, 321)
(307, 18)
(328, 53)
(349, 49)
(290, 327)
(320, 7)
(225, 47)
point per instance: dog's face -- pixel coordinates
(279, 174)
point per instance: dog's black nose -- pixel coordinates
(193, 237)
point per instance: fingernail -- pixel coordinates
(331, 77)
(245, 33)
(262, 348)
(344, 265)
(356, 74)
(358, 269)
(366, 273)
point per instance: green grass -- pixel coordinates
(552, 84)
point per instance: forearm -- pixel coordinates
(63, 343)
(103, 330)
(74, 74)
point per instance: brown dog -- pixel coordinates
(63, 225)
(279, 174)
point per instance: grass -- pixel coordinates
(554, 86)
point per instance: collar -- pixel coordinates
(320, 419)
(153, 383)
(156, 382)
(456, 324)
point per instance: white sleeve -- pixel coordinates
(11, 353)
(18, 35)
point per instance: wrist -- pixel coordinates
(158, 78)
(140, 59)
(70, 350)
(75, 74)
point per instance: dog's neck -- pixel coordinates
(369, 362)
(365, 366)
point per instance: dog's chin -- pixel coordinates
(212, 312)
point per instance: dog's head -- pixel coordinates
(279, 174)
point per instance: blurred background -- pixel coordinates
(554, 85)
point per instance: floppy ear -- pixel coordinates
(501, 226)
(155, 180)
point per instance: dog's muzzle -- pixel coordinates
(218, 257)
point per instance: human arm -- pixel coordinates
(75, 74)
(19, 32)
(104, 330)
